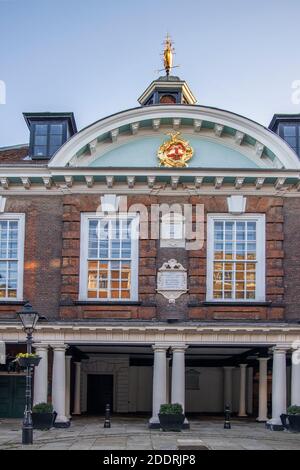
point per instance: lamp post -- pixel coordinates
(29, 320)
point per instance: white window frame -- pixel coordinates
(21, 242)
(260, 291)
(83, 277)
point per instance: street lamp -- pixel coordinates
(29, 320)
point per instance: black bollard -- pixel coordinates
(107, 416)
(227, 424)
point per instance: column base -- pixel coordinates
(274, 424)
(62, 422)
(242, 415)
(262, 420)
(154, 423)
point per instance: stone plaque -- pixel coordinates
(172, 280)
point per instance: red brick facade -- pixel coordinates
(52, 262)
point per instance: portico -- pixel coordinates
(207, 370)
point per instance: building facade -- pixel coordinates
(160, 246)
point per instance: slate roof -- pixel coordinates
(17, 154)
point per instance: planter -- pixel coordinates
(171, 422)
(43, 421)
(29, 361)
(291, 422)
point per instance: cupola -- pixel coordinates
(167, 89)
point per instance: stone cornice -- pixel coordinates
(280, 335)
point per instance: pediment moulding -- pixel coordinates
(261, 145)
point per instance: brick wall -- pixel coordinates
(191, 306)
(291, 211)
(43, 246)
(52, 250)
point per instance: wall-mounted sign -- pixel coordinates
(172, 280)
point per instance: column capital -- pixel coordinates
(262, 359)
(68, 357)
(77, 363)
(280, 349)
(228, 367)
(160, 347)
(44, 346)
(179, 347)
(59, 346)
(243, 366)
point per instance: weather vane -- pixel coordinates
(168, 54)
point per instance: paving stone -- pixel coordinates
(133, 434)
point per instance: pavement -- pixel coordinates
(132, 433)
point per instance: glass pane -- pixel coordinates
(289, 131)
(53, 149)
(41, 129)
(40, 151)
(56, 129)
(56, 140)
(40, 140)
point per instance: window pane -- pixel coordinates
(56, 129)
(109, 259)
(40, 140)
(55, 140)
(40, 150)
(289, 131)
(41, 129)
(235, 245)
(8, 258)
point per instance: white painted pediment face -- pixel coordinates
(132, 138)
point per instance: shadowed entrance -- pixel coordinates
(100, 393)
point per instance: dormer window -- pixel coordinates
(48, 132)
(47, 138)
(290, 132)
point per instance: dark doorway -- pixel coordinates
(100, 393)
(12, 396)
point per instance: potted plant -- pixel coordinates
(171, 417)
(43, 416)
(291, 420)
(27, 359)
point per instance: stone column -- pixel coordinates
(242, 408)
(168, 383)
(178, 375)
(278, 388)
(250, 390)
(59, 384)
(68, 386)
(228, 386)
(263, 390)
(159, 382)
(40, 393)
(77, 395)
(295, 390)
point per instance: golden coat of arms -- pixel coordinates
(176, 152)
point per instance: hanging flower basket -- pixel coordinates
(28, 360)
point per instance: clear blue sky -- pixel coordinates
(95, 57)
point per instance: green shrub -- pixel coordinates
(293, 410)
(171, 409)
(43, 408)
